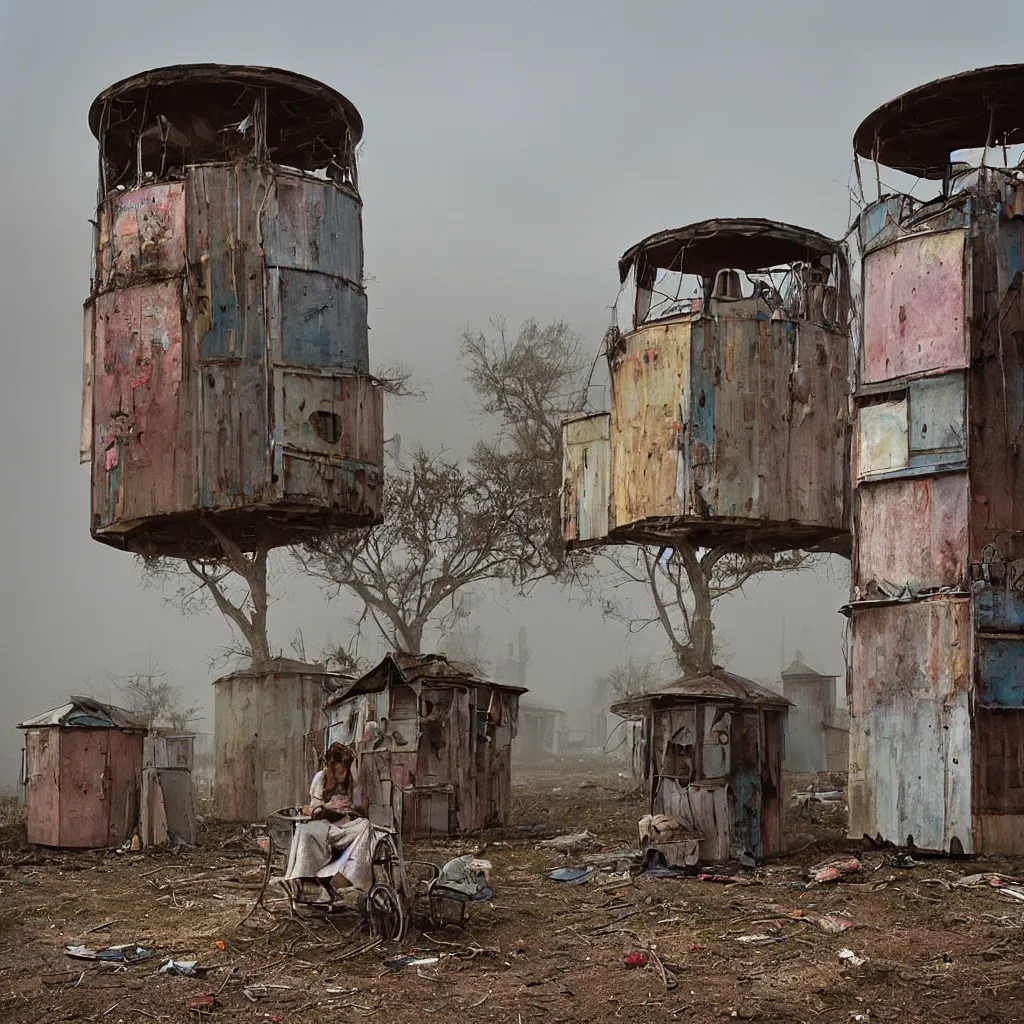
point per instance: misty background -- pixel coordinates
(511, 153)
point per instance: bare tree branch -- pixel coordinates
(680, 585)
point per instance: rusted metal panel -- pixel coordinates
(88, 327)
(335, 416)
(999, 781)
(912, 533)
(649, 379)
(223, 211)
(317, 320)
(260, 727)
(938, 430)
(140, 456)
(586, 470)
(996, 400)
(910, 742)
(312, 224)
(882, 445)
(914, 307)
(141, 235)
(1000, 671)
(42, 786)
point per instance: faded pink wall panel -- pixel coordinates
(84, 788)
(42, 793)
(914, 307)
(913, 530)
(142, 234)
(136, 410)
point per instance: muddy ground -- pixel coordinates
(539, 951)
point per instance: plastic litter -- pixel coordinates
(573, 876)
(125, 954)
(184, 968)
(399, 963)
(849, 957)
(635, 960)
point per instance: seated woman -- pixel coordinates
(337, 840)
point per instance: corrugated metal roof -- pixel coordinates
(86, 713)
(717, 685)
(434, 669)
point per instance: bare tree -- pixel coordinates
(234, 581)
(152, 697)
(681, 585)
(627, 679)
(446, 527)
(467, 646)
(529, 385)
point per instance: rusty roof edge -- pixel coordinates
(740, 227)
(892, 114)
(214, 74)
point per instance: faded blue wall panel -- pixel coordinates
(937, 415)
(703, 341)
(314, 225)
(998, 607)
(317, 320)
(1001, 672)
(221, 224)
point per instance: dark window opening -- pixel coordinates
(326, 426)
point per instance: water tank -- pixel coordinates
(226, 375)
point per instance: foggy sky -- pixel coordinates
(512, 152)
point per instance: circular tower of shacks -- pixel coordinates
(227, 392)
(937, 603)
(226, 357)
(727, 416)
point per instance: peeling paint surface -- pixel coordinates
(586, 469)
(912, 533)
(914, 307)
(910, 740)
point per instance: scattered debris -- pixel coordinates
(185, 968)
(635, 960)
(829, 924)
(126, 954)
(835, 868)
(902, 860)
(849, 957)
(760, 939)
(572, 843)
(200, 1004)
(835, 796)
(399, 963)
(573, 876)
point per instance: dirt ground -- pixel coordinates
(541, 950)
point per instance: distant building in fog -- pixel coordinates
(818, 731)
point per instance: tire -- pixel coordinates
(385, 913)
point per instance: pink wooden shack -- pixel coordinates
(83, 769)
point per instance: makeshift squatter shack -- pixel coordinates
(434, 744)
(83, 768)
(713, 754)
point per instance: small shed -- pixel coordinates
(83, 770)
(434, 743)
(712, 753)
(541, 731)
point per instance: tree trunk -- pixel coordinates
(702, 647)
(259, 642)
